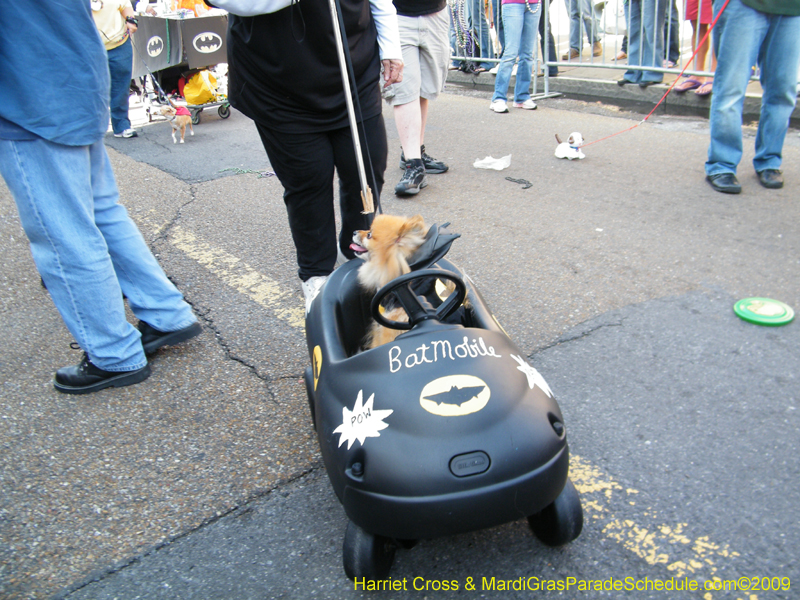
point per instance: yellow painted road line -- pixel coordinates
(659, 544)
(236, 273)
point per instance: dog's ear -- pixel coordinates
(571, 140)
(416, 224)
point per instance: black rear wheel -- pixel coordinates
(561, 521)
(366, 555)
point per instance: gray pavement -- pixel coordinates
(615, 274)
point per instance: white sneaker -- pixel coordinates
(529, 104)
(311, 289)
(128, 133)
(499, 106)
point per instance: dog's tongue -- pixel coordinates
(356, 248)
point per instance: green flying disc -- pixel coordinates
(764, 311)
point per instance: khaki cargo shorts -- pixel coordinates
(425, 42)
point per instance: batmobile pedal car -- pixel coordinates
(445, 430)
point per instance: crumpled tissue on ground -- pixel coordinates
(498, 164)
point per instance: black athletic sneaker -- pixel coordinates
(432, 166)
(413, 180)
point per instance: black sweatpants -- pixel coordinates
(304, 164)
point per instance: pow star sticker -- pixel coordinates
(361, 422)
(534, 377)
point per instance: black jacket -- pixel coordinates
(284, 70)
(418, 8)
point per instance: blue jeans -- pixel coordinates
(744, 37)
(581, 10)
(120, 65)
(88, 251)
(497, 17)
(646, 20)
(521, 28)
(672, 31)
(480, 31)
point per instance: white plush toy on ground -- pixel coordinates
(570, 149)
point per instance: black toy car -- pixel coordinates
(445, 430)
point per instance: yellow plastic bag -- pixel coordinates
(201, 88)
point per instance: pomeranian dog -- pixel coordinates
(179, 117)
(385, 249)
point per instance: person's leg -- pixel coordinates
(304, 164)
(407, 112)
(575, 37)
(423, 119)
(433, 75)
(652, 43)
(454, 49)
(372, 135)
(512, 23)
(779, 58)
(701, 48)
(737, 37)
(152, 297)
(408, 119)
(546, 33)
(591, 23)
(480, 31)
(672, 31)
(120, 61)
(530, 29)
(52, 187)
(497, 8)
(634, 12)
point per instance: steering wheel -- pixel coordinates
(418, 309)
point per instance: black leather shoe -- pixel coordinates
(153, 339)
(771, 178)
(85, 378)
(623, 81)
(725, 183)
(644, 84)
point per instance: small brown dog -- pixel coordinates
(386, 248)
(179, 117)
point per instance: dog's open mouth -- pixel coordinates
(359, 250)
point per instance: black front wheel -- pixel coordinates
(366, 555)
(561, 521)
(224, 111)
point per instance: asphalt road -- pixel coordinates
(616, 275)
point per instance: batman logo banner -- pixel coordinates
(455, 395)
(207, 42)
(155, 46)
